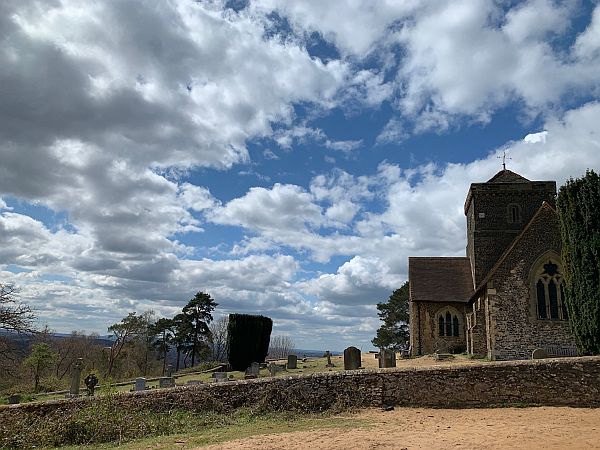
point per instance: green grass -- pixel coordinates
(240, 425)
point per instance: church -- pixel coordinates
(506, 297)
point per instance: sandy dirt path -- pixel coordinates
(545, 428)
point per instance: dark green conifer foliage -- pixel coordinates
(394, 332)
(579, 211)
(248, 339)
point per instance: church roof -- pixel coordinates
(507, 176)
(440, 279)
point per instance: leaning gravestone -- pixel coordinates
(351, 358)
(166, 382)
(539, 353)
(292, 362)
(387, 358)
(75, 378)
(140, 384)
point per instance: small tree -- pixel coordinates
(579, 212)
(124, 332)
(162, 331)
(280, 346)
(42, 357)
(218, 338)
(394, 333)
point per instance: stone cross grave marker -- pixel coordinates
(292, 362)
(387, 358)
(328, 356)
(76, 378)
(140, 384)
(90, 383)
(351, 358)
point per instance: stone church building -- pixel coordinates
(505, 298)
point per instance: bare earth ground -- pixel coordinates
(545, 428)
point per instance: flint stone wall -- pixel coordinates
(559, 381)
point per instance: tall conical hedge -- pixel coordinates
(579, 211)
(248, 339)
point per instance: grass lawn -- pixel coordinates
(239, 425)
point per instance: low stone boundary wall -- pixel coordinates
(560, 381)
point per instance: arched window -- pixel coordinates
(514, 213)
(448, 325)
(550, 295)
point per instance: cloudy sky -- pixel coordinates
(285, 157)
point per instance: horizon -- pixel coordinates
(286, 158)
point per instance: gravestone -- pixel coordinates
(539, 353)
(351, 358)
(76, 378)
(274, 368)
(328, 356)
(166, 382)
(387, 358)
(14, 399)
(169, 370)
(140, 384)
(292, 362)
(220, 376)
(193, 382)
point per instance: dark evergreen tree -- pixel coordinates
(248, 339)
(198, 315)
(394, 332)
(579, 211)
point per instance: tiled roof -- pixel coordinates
(507, 176)
(440, 279)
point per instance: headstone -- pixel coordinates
(140, 384)
(254, 369)
(90, 383)
(328, 356)
(351, 358)
(387, 358)
(220, 376)
(76, 378)
(166, 382)
(169, 370)
(193, 382)
(275, 368)
(14, 399)
(539, 353)
(292, 362)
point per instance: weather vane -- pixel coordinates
(504, 158)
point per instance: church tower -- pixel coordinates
(497, 211)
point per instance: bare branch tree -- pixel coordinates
(281, 346)
(14, 316)
(218, 338)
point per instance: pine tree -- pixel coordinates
(579, 212)
(394, 332)
(198, 315)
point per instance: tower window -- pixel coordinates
(514, 213)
